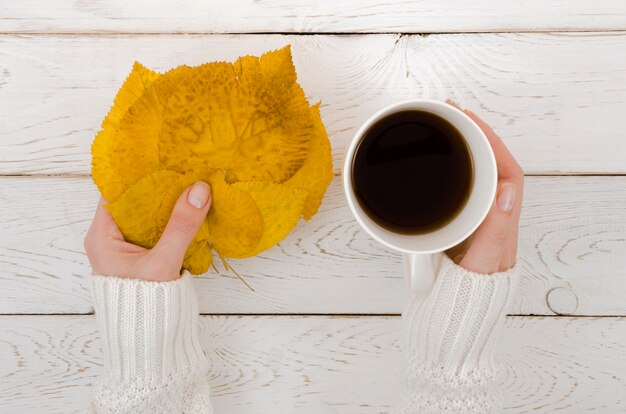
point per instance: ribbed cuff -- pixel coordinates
(450, 333)
(149, 329)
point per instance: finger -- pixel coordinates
(102, 232)
(187, 217)
(510, 254)
(456, 105)
(492, 238)
(508, 168)
(103, 225)
(507, 165)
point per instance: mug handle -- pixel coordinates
(420, 271)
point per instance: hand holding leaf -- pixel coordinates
(244, 128)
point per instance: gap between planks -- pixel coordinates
(335, 174)
(345, 34)
(329, 315)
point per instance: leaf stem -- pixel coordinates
(230, 267)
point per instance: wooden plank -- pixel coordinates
(572, 253)
(242, 16)
(279, 364)
(557, 111)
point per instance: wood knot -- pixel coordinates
(562, 300)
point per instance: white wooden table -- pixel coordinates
(320, 335)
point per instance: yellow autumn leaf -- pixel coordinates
(134, 152)
(317, 171)
(279, 205)
(251, 123)
(137, 210)
(233, 226)
(136, 84)
(198, 257)
(246, 128)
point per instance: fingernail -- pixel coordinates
(506, 197)
(199, 194)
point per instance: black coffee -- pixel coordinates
(412, 172)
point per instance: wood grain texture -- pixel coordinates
(279, 364)
(572, 240)
(557, 99)
(244, 16)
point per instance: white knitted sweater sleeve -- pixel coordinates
(153, 360)
(449, 337)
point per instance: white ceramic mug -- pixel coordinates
(422, 253)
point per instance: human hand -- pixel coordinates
(109, 254)
(493, 246)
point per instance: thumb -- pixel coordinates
(187, 217)
(485, 252)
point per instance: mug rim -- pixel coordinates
(349, 155)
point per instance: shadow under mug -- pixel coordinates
(422, 253)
